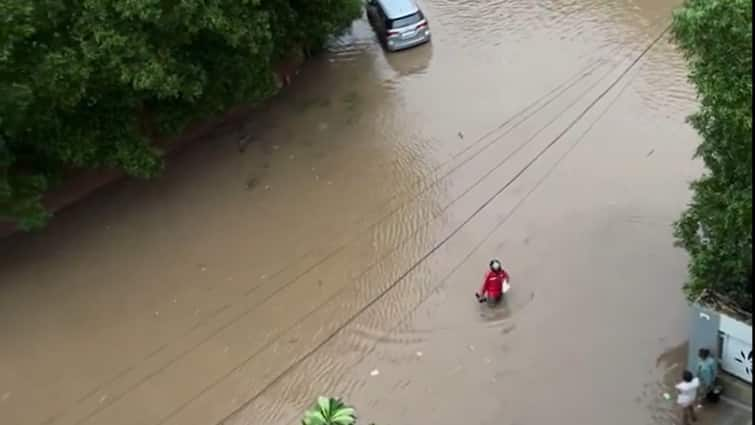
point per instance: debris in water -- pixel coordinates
(226, 349)
(103, 398)
(157, 313)
(291, 157)
(461, 135)
(667, 396)
(243, 143)
(652, 151)
(6, 396)
(276, 147)
(267, 187)
(323, 126)
(263, 277)
(471, 348)
(330, 182)
(174, 301)
(203, 268)
(317, 178)
(251, 183)
(375, 373)
(419, 354)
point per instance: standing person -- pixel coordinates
(492, 286)
(687, 396)
(707, 370)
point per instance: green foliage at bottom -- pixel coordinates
(330, 411)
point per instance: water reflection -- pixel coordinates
(412, 61)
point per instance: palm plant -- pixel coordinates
(329, 411)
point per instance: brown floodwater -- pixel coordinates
(332, 242)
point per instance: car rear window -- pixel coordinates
(407, 20)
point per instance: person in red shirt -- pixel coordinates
(493, 285)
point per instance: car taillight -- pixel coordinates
(422, 25)
(393, 33)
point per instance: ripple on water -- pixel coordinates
(502, 316)
(410, 63)
(663, 85)
(364, 338)
(327, 370)
(491, 22)
(352, 44)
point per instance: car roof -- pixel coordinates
(398, 8)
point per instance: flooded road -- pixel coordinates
(343, 230)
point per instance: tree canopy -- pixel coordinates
(92, 83)
(715, 36)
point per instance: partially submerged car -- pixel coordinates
(399, 24)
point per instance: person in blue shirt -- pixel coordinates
(707, 371)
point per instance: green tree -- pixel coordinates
(715, 36)
(92, 83)
(329, 411)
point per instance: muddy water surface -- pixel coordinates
(343, 229)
